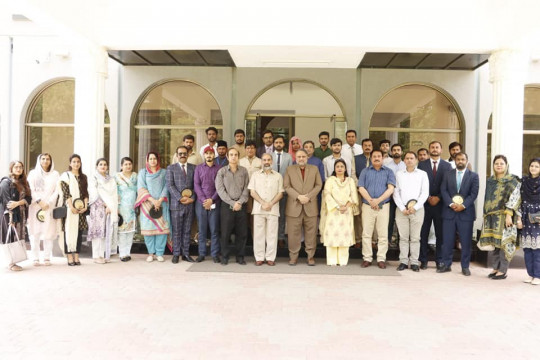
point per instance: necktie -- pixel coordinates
(434, 168)
(184, 169)
(353, 165)
(278, 161)
(459, 175)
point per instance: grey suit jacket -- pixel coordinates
(178, 181)
(286, 161)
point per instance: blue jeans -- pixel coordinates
(532, 262)
(208, 219)
(156, 244)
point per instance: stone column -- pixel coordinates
(508, 71)
(90, 64)
(7, 142)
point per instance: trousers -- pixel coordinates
(532, 262)
(371, 220)
(156, 244)
(265, 237)
(35, 246)
(237, 221)
(125, 241)
(208, 219)
(409, 227)
(181, 229)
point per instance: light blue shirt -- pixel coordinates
(376, 181)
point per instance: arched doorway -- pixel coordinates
(167, 112)
(531, 129)
(50, 121)
(295, 108)
(414, 115)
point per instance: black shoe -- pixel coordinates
(123, 259)
(415, 268)
(240, 260)
(402, 267)
(466, 271)
(175, 259)
(200, 258)
(216, 259)
(128, 258)
(499, 277)
(439, 265)
(443, 268)
(224, 261)
(423, 265)
(188, 258)
(491, 275)
(77, 263)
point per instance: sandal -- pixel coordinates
(15, 267)
(36, 263)
(47, 262)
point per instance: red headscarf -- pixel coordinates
(158, 161)
(291, 151)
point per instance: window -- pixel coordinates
(49, 124)
(531, 130)
(415, 115)
(168, 112)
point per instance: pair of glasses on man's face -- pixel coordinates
(182, 153)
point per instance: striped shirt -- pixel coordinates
(376, 182)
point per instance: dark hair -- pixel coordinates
(422, 149)
(251, 143)
(189, 137)
(20, 183)
(180, 147)
(344, 164)
(411, 152)
(396, 145)
(366, 140)
(335, 141)
(102, 159)
(351, 131)
(536, 160)
(497, 157)
(463, 153)
(124, 159)
(324, 133)
(385, 141)
(239, 131)
(374, 151)
(50, 158)
(267, 132)
(221, 143)
(435, 142)
(309, 142)
(454, 144)
(279, 137)
(83, 180)
(211, 128)
(301, 150)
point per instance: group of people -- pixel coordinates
(349, 193)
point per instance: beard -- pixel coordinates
(267, 167)
(461, 166)
(396, 156)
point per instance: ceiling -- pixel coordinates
(284, 33)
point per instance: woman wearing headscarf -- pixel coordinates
(43, 180)
(501, 203)
(15, 195)
(126, 185)
(336, 226)
(103, 220)
(152, 198)
(529, 221)
(73, 191)
(294, 145)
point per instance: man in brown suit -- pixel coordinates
(302, 182)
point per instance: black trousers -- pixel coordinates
(233, 221)
(79, 243)
(431, 214)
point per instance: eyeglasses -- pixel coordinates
(267, 137)
(182, 153)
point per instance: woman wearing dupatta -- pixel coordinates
(294, 145)
(103, 220)
(15, 195)
(337, 219)
(152, 194)
(42, 180)
(501, 203)
(530, 211)
(73, 186)
(126, 185)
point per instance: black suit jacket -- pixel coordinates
(262, 149)
(435, 182)
(468, 190)
(178, 181)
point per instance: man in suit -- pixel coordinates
(302, 183)
(459, 190)
(180, 178)
(435, 167)
(280, 162)
(268, 144)
(361, 161)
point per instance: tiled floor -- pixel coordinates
(138, 310)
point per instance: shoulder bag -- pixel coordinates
(13, 250)
(59, 212)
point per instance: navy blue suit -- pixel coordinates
(458, 222)
(433, 213)
(360, 163)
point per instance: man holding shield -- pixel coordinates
(412, 191)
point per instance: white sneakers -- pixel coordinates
(160, 258)
(528, 280)
(150, 258)
(536, 281)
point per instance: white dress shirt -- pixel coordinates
(329, 161)
(409, 186)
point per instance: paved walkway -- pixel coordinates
(138, 310)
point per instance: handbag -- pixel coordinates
(534, 218)
(59, 212)
(13, 251)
